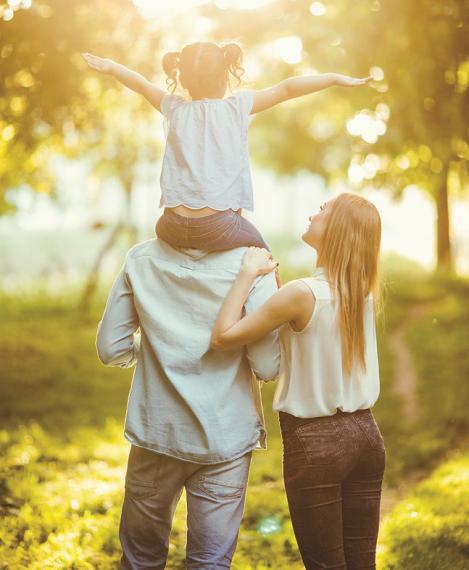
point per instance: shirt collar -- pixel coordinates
(320, 272)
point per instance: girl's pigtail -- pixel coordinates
(233, 55)
(170, 63)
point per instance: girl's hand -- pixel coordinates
(346, 81)
(257, 261)
(100, 64)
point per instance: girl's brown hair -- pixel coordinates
(350, 252)
(203, 67)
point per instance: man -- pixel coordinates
(193, 415)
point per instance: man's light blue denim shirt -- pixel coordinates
(186, 400)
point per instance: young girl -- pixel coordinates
(334, 454)
(205, 177)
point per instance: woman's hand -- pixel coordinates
(101, 64)
(257, 261)
(346, 81)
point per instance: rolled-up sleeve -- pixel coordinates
(264, 354)
(117, 340)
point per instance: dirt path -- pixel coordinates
(405, 380)
(405, 385)
(390, 496)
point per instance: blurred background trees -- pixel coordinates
(409, 128)
(51, 105)
(413, 128)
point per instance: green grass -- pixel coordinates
(50, 371)
(61, 503)
(60, 499)
(438, 342)
(443, 363)
(428, 531)
(63, 454)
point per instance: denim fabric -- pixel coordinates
(215, 503)
(216, 232)
(333, 471)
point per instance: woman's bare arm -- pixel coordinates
(299, 86)
(231, 330)
(127, 77)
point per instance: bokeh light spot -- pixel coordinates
(8, 133)
(317, 9)
(289, 49)
(369, 125)
(269, 525)
(377, 73)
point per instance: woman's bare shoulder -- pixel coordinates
(298, 291)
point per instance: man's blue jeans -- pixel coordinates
(215, 503)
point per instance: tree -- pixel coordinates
(411, 128)
(47, 90)
(423, 49)
(127, 144)
(53, 104)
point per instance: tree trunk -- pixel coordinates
(92, 281)
(131, 228)
(444, 256)
(124, 225)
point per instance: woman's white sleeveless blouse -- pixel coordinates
(206, 161)
(312, 382)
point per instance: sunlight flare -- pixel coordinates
(152, 9)
(288, 49)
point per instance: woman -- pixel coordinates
(334, 454)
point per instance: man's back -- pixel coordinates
(186, 401)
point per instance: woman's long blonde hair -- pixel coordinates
(350, 253)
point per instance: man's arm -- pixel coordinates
(117, 341)
(264, 354)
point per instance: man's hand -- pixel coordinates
(346, 81)
(101, 64)
(257, 261)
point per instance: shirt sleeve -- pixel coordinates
(117, 340)
(264, 354)
(245, 100)
(169, 103)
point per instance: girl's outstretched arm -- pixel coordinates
(127, 77)
(299, 86)
(291, 302)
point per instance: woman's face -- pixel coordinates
(317, 226)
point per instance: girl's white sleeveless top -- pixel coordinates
(312, 382)
(206, 161)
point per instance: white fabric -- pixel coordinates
(206, 161)
(312, 382)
